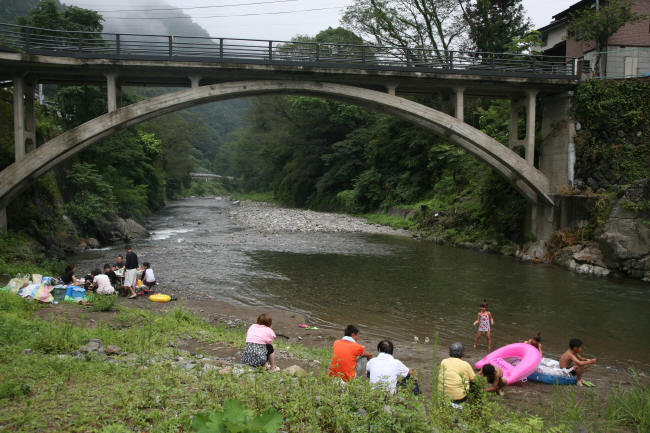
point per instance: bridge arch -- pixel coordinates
(528, 180)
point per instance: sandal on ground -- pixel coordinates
(132, 297)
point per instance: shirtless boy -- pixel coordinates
(571, 359)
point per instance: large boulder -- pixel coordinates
(119, 230)
(625, 237)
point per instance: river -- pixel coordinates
(390, 286)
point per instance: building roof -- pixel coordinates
(574, 7)
(562, 17)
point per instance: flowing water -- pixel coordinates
(391, 286)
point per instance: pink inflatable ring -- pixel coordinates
(517, 361)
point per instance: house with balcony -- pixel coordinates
(628, 50)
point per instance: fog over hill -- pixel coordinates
(113, 22)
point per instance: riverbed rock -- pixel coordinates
(91, 346)
(113, 350)
(533, 252)
(92, 243)
(295, 370)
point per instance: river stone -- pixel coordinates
(92, 243)
(91, 346)
(113, 350)
(295, 370)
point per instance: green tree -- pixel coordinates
(494, 23)
(50, 14)
(599, 24)
(434, 25)
(92, 199)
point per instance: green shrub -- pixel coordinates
(102, 302)
(235, 418)
(12, 389)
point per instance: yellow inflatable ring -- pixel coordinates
(159, 297)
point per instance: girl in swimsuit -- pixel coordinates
(484, 321)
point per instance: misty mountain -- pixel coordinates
(139, 22)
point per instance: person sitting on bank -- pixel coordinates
(494, 376)
(386, 371)
(68, 277)
(536, 341)
(131, 271)
(111, 275)
(148, 278)
(574, 362)
(455, 374)
(259, 350)
(102, 283)
(344, 355)
(119, 264)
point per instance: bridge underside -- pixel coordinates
(532, 183)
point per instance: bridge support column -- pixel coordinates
(556, 160)
(531, 102)
(391, 88)
(459, 104)
(513, 129)
(3, 220)
(194, 80)
(113, 93)
(24, 122)
(557, 153)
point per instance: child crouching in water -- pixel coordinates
(494, 377)
(259, 349)
(484, 321)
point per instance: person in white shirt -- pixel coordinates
(385, 371)
(148, 278)
(103, 283)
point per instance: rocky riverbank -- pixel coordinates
(271, 218)
(620, 246)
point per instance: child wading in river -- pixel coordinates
(484, 321)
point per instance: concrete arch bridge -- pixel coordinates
(349, 77)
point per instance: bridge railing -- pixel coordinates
(34, 40)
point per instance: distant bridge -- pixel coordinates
(209, 176)
(222, 68)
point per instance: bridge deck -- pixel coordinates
(80, 56)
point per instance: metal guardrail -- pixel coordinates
(126, 46)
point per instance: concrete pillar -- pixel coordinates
(390, 88)
(112, 93)
(513, 128)
(557, 153)
(531, 102)
(24, 120)
(195, 80)
(30, 117)
(459, 104)
(3, 220)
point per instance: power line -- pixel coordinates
(197, 7)
(226, 16)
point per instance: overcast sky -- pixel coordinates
(278, 26)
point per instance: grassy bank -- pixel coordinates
(266, 197)
(45, 387)
(22, 254)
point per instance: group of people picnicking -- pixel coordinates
(120, 277)
(456, 376)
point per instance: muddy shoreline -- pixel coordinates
(417, 355)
